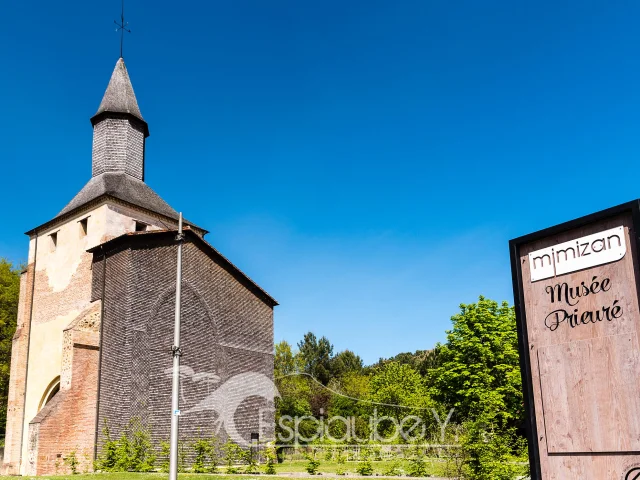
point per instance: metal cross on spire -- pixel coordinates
(122, 27)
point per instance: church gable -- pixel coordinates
(138, 240)
(227, 330)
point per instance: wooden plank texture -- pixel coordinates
(590, 395)
(585, 369)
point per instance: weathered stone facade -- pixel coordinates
(95, 319)
(67, 423)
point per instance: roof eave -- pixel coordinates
(95, 202)
(98, 117)
(122, 241)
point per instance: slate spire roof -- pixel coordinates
(119, 96)
(123, 187)
(119, 133)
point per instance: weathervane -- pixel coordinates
(122, 27)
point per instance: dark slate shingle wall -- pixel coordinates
(226, 331)
(118, 146)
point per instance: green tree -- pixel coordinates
(313, 464)
(488, 454)
(271, 460)
(478, 372)
(133, 451)
(108, 456)
(399, 386)
(429, 361)
(285, 361)
(421, 360)
(316, 356)
(233, 454)
(202, 448)
(417, 465)
(345, 362)
(9, 293)
(355, 395)
(294, 401)
(165, 453)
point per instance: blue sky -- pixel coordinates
(366, 162)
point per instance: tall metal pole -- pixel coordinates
(175, 408)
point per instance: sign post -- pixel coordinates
(577, 310)
(176, 352)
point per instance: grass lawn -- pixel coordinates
(181, 476)
(434, 467)
(284, 471)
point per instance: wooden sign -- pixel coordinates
(577, 308)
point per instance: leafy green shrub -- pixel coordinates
(341, 458)
(202, 448)
(232, 455)
(488, 451)
(328, 454)
(165, 452)
(214, 455)
(417, 465)
(108, 456)
(377, 454)
(270, 456)
(133, 451)
(72, 462)
(312, 465)
(123, 453)
(86, 463)
(250, 459)
(364, 467)
(142, 455)
(182, 456)
(393, 469)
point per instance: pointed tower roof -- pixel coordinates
(119, 97)
(119, 136)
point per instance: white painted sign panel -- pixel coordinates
(584, 252)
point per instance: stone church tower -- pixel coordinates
(95, 321)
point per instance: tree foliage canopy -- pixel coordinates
(316, 357)
(479, 368)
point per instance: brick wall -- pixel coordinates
(67, 423)
(15, 407)
(50, 303)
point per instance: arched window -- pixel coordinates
(50, 392)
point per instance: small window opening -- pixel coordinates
(54, 240)
(84, 224)
(141, 227)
